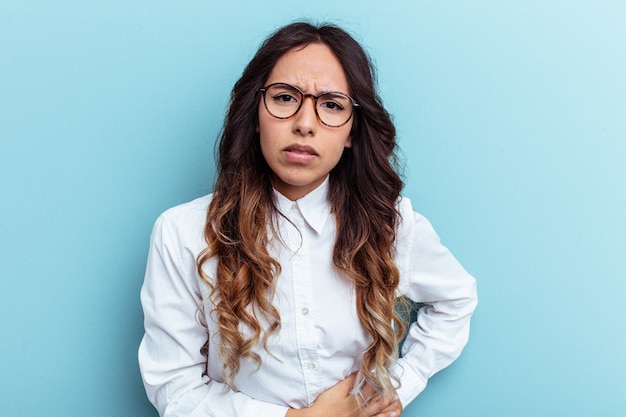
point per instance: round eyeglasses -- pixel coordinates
(332, 108)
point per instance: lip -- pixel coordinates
(297, 148)
(300, 153)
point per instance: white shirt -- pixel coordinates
(321, 339)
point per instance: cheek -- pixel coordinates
(263, 143)
(348, 134)
(262, 130)
(263, 119)
(347, 141)
(266, 141)
(265, 122)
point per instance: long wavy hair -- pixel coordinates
(363, 191)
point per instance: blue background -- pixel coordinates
(512, 120)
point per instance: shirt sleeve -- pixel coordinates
(430, 274)
(172, 359)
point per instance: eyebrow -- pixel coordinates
(333, 93)
(317, 93)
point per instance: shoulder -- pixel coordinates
(183, 225)
(415, 236)
(404, 205)
(409, 218)
(192, 212)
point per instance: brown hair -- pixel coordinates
(363, 191)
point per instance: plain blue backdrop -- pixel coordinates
(512, 120)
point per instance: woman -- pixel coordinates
(276, 294)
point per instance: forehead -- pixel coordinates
(313, 68)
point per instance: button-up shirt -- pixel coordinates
(321, 339)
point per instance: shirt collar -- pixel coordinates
(313, 207)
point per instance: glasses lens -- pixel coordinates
(282, 100)
(334, 109)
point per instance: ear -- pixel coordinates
(257, 129)
(348, 143)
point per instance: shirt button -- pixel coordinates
(305, 311)
(311, 366)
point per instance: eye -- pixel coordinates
(285, 98)
(284, 95)
(333, 103)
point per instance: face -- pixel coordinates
(301, 151)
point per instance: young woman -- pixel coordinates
(276, 295)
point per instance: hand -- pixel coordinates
(392, 409)
(338, 402)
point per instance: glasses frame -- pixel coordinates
(304, 96)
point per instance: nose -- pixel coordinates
(305, 120)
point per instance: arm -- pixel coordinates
(433, 276)
(172, 363)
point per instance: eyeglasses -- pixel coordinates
(332, 108)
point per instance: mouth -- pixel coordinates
(301, 150)
(300, 154)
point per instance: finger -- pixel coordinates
(389, 413)
(392, 410)
(374, 405)
(345, 386)
(368, 391)
(383, 406)
(369, 394)
(393, 404)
